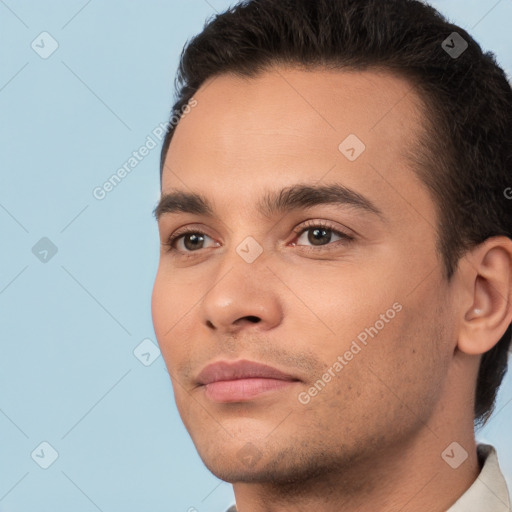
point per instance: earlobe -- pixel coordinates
(487, 270)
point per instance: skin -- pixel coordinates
(372, 438)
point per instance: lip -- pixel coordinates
(243, 369)
(242, 380)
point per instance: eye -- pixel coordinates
(190, 239)
(319, 234)
(187, 241)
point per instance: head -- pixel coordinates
(352, 122)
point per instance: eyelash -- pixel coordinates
(298, 231)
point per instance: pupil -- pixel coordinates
(193, 237)
(322, 232)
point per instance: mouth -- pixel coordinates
(241, 381)
(241, 390)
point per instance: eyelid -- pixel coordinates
(176, 235)
(312, 223)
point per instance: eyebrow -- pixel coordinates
(299, 196)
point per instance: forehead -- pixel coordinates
(288, 125)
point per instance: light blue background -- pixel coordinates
(69, 327)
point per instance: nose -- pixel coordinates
(249, 319)
(243, 295)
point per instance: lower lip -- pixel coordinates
(243, 389)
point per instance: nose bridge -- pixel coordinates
(247, 246)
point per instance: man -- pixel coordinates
(333, 299)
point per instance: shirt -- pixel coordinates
(488, 493)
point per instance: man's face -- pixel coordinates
(363, 323)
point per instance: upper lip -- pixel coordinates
(225, 370)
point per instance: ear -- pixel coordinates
(485, 275)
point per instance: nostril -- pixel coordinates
(253, 319)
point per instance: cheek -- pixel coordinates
(169, 314)
(167, 308)
(336, 302)
(367, 315)
(394, 379)
(161, 304)
(407, 361)
(171, 300)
